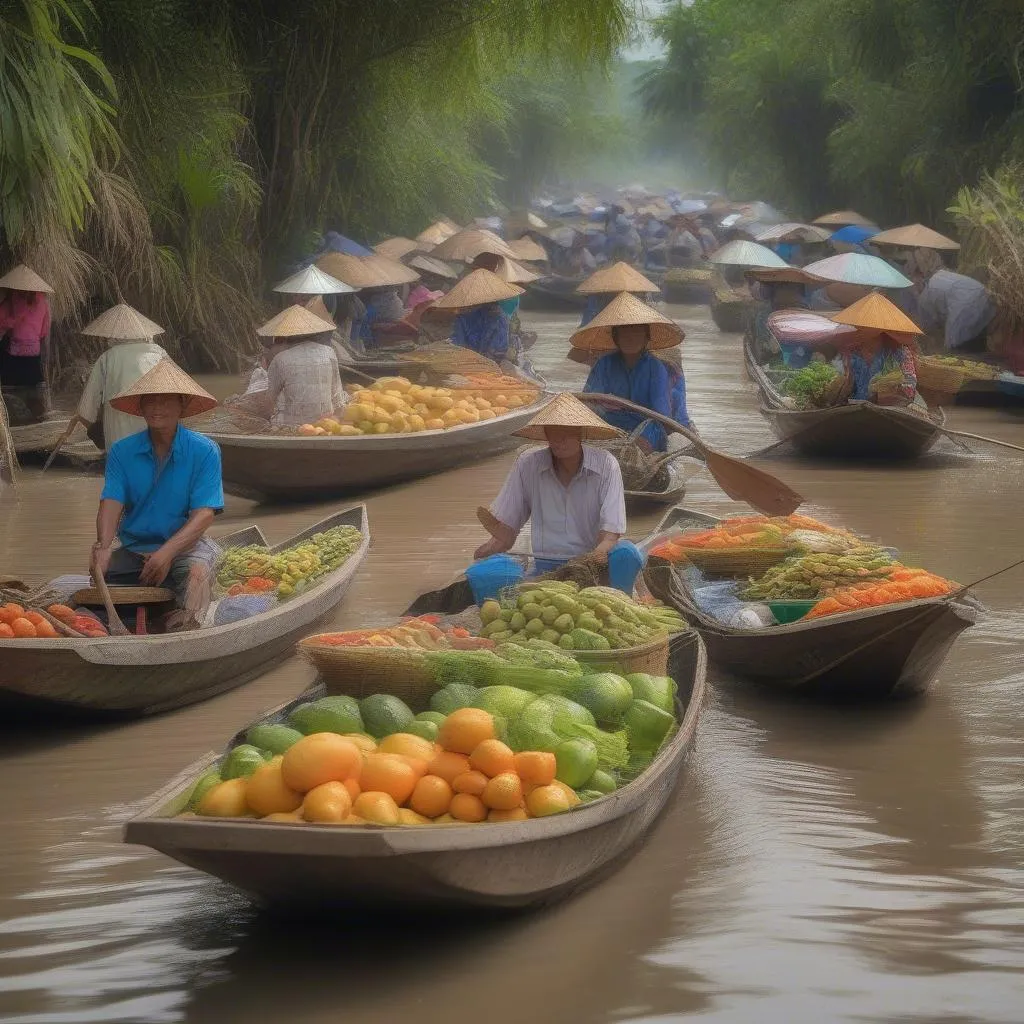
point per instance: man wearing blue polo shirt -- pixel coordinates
(162, 490)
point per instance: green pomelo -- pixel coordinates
(451, 698)
(606, 696)
(242, 762)
(275, 738)
(657, 690)
(602, 781)
(431, 716)
(576, 762)
(384, 714)
(425, 730)
(204, 784)
(507, 701)
(646, 726)
(338, 714)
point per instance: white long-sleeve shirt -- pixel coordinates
(304, 384)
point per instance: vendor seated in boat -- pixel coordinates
(570, 493)
(776, 289)
(131, 354)
(303, 378)
(628, 330)
(882, 345)
(605, 284)
(482, 325)
(161, 491)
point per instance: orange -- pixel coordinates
(466, 807)
(570, 793)
(418, 764)
(11, 611)
(448, 764)
(407, 744)
(44, 629)
(34, 617)
(62, 612)
(504, 792)
(318, 758)
(23, 628)
(464, 730)
(5, 631)
(352, 785)
(288, 817)
(470, 782)
(536, 767)
(388, 773)
(408, 817)
(515, 814)
(329, 803)
(367, 744)
(225, 800)
(492, 757)
(546, 800)
(266, 791)
(376, 808)
(432, 796)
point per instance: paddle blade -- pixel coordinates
(744, 482)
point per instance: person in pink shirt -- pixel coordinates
(24, 336)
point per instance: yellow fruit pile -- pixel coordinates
(394, 405)
(469, 776)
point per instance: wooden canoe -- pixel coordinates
(509, 865)
(136, 676)
(889, 651)
(730, 316)
(285, 467)
(553, 292)
(854, 430)
(674, 493)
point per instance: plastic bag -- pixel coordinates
(242, 606)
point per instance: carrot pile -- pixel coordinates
(760, 532)
(902, 584)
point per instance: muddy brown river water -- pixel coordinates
(816, 864)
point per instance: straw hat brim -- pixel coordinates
(391, 273)
(122, 323)
(429, 265)
(166, 378)
(620, 277)
(624, 310)
(843, 218)
(480, 288)
(24, 279)
(468, 244)
(915, 236)
(876, 313)
(294, 322)
(396, 248)
(782, 275)
(312, 281)
(350, 270)
(567, 411)
(514, 273)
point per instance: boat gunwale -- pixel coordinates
(381, 840)
(91, 649)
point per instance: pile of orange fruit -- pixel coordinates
(468, 776)
(17, 622)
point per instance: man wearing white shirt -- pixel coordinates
(571, 494)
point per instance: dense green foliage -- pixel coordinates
(888, 106)
(177, 153)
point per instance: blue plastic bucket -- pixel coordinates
(490, 576)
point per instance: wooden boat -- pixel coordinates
(672, 494)
(852, 430)
(888, 651)
(688, 285)
(1012, 387)
(730, 311)
(496, 865)
(286, 467)
(553, 292)
(143, 675)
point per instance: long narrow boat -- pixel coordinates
(888, 651)
(283, 467)
(671, 494)
(688, 285)
(853, 430)
(493, 865)
(553, 292)
(143, 675)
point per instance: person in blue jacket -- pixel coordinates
(631, 371)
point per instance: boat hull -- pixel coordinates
(553, 293)
(315, 868)
(111, 677)
(289, 468)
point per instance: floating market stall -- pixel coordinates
(732, 305)
(690, 285)
(79, 670)
(503, 776)
(805, 608)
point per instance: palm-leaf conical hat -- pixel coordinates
(166, 378)
(619, 277)
(875, 312)
(480, 288)
(623, 310)
(565, 410)
(294, 322)
(24, 279)
(122, 323)
(312, 281)
(915, 236)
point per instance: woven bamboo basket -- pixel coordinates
(361, 671)
(837, 392)
(939, 378)
(651, 657)
(886, 388)
(735, 561)
(688, 275)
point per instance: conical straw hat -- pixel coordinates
(915, 236)
(122, 323)
(566, 411)
(166, 378)
(623, 310)
(312, 281)
(316, 306)
(619, 277)
(843, 218)
(513, 272)
(876, 312)
(529, 250)
(391, 272)
(24, 279)
(396, 248)
(436, 233)
(351, 270)
(294, 322)
(740, 253)
(469, 244)
(428, 265)
(478, 289)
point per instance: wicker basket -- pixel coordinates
(886, 388)
(738, 562)
(651, 657)
(837, 392)
(939, 378)
(361, 671)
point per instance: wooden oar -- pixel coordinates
(60, 443)
(353, 372)
(737, 478)
(979, 437)
(117, 627)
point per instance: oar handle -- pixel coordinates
(60, 442)
(117, 627)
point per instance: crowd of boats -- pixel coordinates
(883, 351)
